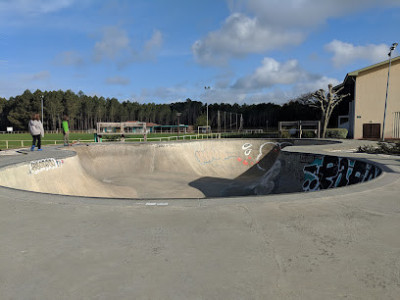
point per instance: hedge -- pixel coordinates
(336, 133)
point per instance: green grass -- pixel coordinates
(14, 140)
(48, 136)
(73, 136)
(21, 140)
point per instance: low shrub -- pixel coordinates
(336, 133)
(382, 148)
(111, 138)
(285, 134)
(308, 134)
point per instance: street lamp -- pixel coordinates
(207, 88)
(394, 45)
(178, 115)
(41, 97)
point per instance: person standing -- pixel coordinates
(65, 130)
(37, 131)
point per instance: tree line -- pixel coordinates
(85, 111)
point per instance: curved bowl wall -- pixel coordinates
(196, 169)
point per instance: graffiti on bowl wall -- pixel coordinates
(329, 171)
(207, 157)
(37, 166)
(250, 160)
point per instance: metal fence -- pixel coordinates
(7, 144)
(12, 132)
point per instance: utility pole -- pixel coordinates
(224, 121)
(236, 123)
(219, 121)
(207, 88)
(394, 45)
(41, 97)
(178, 115)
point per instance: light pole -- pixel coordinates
(41, 97)
(178, 115)
(394, 45)
(207, 88)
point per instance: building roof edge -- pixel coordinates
(356, 72)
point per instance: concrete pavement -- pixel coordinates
(334, 244)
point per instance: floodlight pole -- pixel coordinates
(41, 97)
(394, 45)
(178, 115)
(207, 88)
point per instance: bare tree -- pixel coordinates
(326, 101)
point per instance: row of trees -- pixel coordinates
(85, 111)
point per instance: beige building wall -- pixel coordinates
(370, 98)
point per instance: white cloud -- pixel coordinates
(272, 72)
(38, 76)
(113, 42)
(12, 84)
(116, 45)
(346, 53)
(314, 85)
(165, 93)
(149, 51)
(305, 13)
(280, 96)
(69, 58)
(224, 96)
(36, 7)
(231, 96)
(154, 42)
(273, 81)
(258, 26)
(277, 94)
(239, 36)
(117, 80)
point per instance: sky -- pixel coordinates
(243, 51)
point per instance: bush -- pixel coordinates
(308, 134)
(285, 134)
(111, 138)
(336, 133)
(382, 148)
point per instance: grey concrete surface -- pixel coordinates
(193, 169)
(334, 244)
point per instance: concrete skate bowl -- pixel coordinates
(195, 169)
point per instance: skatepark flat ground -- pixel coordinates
(340, 243)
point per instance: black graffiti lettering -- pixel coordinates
(328, 172)
(313, 169)
(359, 169)
(341, 178)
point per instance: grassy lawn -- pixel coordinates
(47, 136)
(25, 139)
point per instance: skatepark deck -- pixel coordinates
(338, 243)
